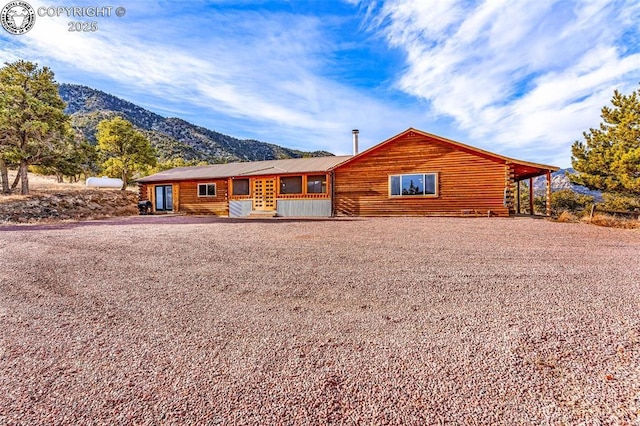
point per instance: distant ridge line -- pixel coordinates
(172, 137)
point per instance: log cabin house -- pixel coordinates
(411, 174)
(290, 187)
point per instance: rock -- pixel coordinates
(75, 204)
(93, 206)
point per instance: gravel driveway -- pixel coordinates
(174, 320)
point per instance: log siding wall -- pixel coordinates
(467, 182)
(144, 192)
(189, 202)
(186, 199)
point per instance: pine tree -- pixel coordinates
(33, 124)
(124, 149)
(609, 159)
(75, 158)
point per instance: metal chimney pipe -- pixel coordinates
(355, 141)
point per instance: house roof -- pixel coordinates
(522, 169)
(253, 168)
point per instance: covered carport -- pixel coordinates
(522, 171)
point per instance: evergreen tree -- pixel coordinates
(33, 124)
(609, 159)
(412, 188)
(124, 149)
(75, 158)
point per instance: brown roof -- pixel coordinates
(253, 168)
(522, 169)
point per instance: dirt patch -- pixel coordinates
(200, 320)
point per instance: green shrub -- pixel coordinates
(564, 200)
(619, 202)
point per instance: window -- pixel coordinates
(317, 184)
(206, 190)
(291, 185)
(419, 184)
(240, 187)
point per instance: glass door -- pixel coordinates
(164, 198)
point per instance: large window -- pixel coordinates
(317, 184)
(206, 190)
(291, 185)
(240, 186)
(418, 184)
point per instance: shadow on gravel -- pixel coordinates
(162, 220)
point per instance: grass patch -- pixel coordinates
(601, 219)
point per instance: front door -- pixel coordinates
(264, 194)
(164, 198)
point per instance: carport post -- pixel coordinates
(548, 193)
(531, 196)
(518, 197)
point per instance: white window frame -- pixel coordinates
(424, 174)
(215, 189)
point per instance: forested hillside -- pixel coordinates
(172, 137)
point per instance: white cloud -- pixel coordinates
(515, 73)
(262, 69)
(524, 76)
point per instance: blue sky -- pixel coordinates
(522, 78)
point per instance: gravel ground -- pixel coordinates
(174, 320)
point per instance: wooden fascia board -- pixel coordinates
(370, 150)
(271, 175)
(473, 150)
(486, 154)
(202, 178)
(178, 179)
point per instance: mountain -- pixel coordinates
(560, 180)
(172, 137)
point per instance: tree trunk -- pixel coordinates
(14, 185)
(4, 173)
(23, 172)
(124, 179)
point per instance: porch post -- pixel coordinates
(176, 197)
(531, 196)
(518, 197)
(548, 193)
(509, 180)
